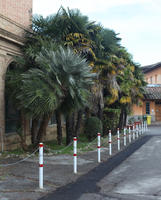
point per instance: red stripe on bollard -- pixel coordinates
(40, 165)
(98, 147)
(40, 145)
(74, 154)
(75, 139)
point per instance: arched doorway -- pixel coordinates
(12, 117)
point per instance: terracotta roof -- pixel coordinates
(149, 68)
(152, 92)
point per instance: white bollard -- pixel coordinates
(99, 147)
(137, 130)
(142, 127)
(110, 143)
(133, 132)
(124, 136)
(75, 154)
(146, 126)
(41, 165)
(118, 139)
(129, 135)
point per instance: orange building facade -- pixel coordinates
(151, 104)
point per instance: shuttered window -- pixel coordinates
(147, 107)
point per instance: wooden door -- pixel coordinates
(158, 112)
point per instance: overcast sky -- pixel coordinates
(137, 21)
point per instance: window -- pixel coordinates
(147, 107)
(151, 80)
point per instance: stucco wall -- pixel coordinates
(141, 110)
(137, 110)
(153, 77)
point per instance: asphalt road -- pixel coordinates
(133, 174)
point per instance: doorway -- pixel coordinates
(158, 111)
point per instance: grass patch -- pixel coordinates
(83, 145)
(18, 152)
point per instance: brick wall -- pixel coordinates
(19, 11)
(15, 16)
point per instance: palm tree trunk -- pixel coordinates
(100, 112)
(87, 112)
(59, 128)
(125, 118)
(42, 129)
(78, 124)
(68, 130)
(23, 130)
(34, 129)
(121, 119)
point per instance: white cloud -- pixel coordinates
(85, 6)
(141, 34)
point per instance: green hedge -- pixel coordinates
(93, 125)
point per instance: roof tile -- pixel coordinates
(152, 92)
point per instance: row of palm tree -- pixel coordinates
(72, 66)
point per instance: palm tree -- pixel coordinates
(69, 28)
(66, 79)
(101, 47)
(61, 80)
(130, 81)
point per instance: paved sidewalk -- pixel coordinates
(136, 178)
(20, 182)
(87, 186)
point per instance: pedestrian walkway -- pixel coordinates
(139, 177)
(89, 182)
(21, 181)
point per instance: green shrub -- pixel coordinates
(93, 125)
(110, 120)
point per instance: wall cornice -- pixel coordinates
(11, 37)
(13, 22)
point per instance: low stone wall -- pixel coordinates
(13, 141)
(51, 132)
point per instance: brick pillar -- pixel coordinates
(2, 100)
